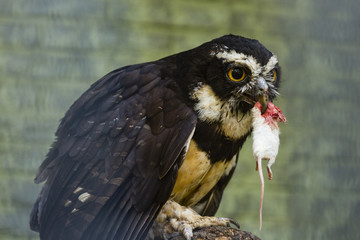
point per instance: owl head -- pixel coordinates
(227, 76)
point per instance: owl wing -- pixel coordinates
(115, 160)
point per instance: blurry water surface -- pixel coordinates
(51, 51)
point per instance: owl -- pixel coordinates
(154, 144)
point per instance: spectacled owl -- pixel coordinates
(154, 141)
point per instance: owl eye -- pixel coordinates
(236, 74)
(273, 75)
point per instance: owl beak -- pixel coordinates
(264, 103)
(262, 95)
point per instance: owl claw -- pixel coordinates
(233, 222)
(176, 218)
(186, 226)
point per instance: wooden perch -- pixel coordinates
(217, 233)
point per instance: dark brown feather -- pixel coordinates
(115, 159)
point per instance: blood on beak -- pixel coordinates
(263, 93)
(264, 102)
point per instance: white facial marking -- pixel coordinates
(242, 59)
(209, 105)
(270, 64)
(83, 197)
(234, 125)
(248, 61)
(210, 109)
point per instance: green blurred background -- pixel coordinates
(52, 50)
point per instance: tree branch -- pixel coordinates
(217, 233)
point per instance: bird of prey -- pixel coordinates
(153, 142)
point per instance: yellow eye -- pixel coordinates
(236, 74)
(273, 75)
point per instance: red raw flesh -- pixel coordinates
(273, 115)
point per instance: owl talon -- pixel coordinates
(233, 222)
(184, 220)
(187, 232)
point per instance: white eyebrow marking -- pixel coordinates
(270, 64)
(211, 108)
(242, 59)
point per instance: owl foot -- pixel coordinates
(176, 219)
